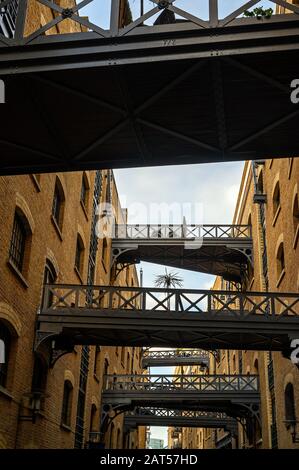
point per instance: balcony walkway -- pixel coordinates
(175, 318)
(175, 357)
(223, 250)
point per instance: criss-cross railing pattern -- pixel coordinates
(168, 413)
(61, 298)
(182, 231)
(182, 383)
(198, 16)
(176, 353)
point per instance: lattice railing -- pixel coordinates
(168, 413)
(176, 353)
(67, 298)
(181, 231)
(117, 18)
(182, 383)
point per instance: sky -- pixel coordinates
(98, 11)
(214, 187)
(203, 193)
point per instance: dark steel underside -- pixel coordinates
(219, 260)
(163, 329)
(231, 404)
(174, 97)
(200, 422)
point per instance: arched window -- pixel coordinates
(84, 196)
(276, 198)
(50, 277)
(104, 251)
(66, 412)
(296, 213)
(19, 241)
(118, 440)
(5, 343)
(96, 360)
(93, 415)
(260, 183)
(289, 400)
(105, 372)
(79, 257)
(280, 260)
(58, 204)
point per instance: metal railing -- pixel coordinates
(176, 353)
(182, 383)
(138, 20)
(90, 16)
(169, 413)
(62, 298)
(181, 231)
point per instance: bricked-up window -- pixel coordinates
(79, 254)
(280, 260)
(18, 242)
(289, 401)
(39, 376)
(66, 411)
(276, 198)
(5, 339)
(58, 204)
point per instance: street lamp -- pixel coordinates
(292, 425)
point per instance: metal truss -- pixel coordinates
(174, 318)
(142, 416)
(183, 357)
(237, 396)
(224, 250)
(176, 62)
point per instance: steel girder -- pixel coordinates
(188, 92)
(177, 418)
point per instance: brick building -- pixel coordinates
(46, 238)
(268, 201)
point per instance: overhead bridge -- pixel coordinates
(167, 85)
(223, 250)
(142, 416)
(236, 395)
(175, 357)
(173, 318)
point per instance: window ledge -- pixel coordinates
(282, 275)
(296, 238)
(56, 226)
(5, 393)
(36, 183)
(276, 215)
(84, 208)
(65, 427)
(17, 273)
(78, 274)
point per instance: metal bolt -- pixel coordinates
(67, 13)
(163, 4)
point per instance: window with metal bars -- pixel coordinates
(8, 18)
(18, 242)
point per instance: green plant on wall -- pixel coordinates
(260, 13)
